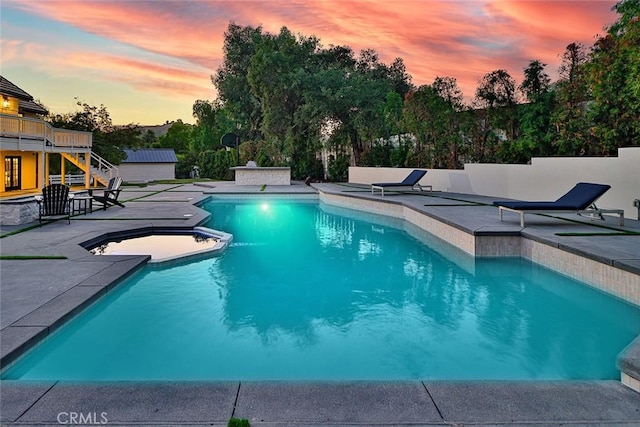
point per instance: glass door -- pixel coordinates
(11, 173)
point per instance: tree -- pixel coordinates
(536, 129)
(572, 94)
(212, 122)
(496, 97)
(231, 78)
(613, 76)
(573, 60)
(393, 114)
(536, 81)
(179, 137)
(277, 77)
(280, 77)
(357, 107)
(497, 89)
(447, 88)
(399, 78)
(108, 140)
(149, 139)
(534, 117)
(431, 114)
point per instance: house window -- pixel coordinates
(11, 173)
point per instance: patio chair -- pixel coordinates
(109, 196)
(411, 181)
(580, 199)
(55, 201)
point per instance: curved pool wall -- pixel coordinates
(583, 267)
(608, 278)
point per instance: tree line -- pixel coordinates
(291, 99)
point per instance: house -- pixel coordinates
(27, 141)
(151, 164)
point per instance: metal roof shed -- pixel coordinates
(148, 164)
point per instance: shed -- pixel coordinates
(148, 164)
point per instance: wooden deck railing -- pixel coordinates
(23, 128)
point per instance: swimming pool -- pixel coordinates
(305, 293)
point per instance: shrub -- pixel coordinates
(338, 168)
(238, 422)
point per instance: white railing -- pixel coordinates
(71, 138)
(69, 179)
(39, 130)
(104, 166)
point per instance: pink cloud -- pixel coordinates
(173, 29)
(140, 74)
(10, 49)
(461, 39)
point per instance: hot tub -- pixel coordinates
(163, 245)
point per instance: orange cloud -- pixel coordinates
(140, 74)
(174, 29)
(461, 39)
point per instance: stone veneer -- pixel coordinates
(16, 212)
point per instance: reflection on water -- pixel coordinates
(332, 231)
(305, 294)
(158, 246)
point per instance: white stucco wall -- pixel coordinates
(258, 176)
(544, 179)
(142, 172)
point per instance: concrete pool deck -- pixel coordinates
(38, 295)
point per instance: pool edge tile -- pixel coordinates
(363, 402)
(61, 308)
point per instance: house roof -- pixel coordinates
(151, 155)
(26, 104)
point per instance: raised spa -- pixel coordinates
(164, 245)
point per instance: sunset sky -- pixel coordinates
(148, 61)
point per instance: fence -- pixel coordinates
(68, 179)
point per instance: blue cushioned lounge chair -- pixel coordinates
(410, 181)
(580, 199)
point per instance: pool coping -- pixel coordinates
(408, 403)
(263, 407)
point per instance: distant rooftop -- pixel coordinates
(151, 155)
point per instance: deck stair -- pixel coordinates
(99, 168)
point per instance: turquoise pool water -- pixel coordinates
(306, 294)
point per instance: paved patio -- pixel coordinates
(37, 296)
